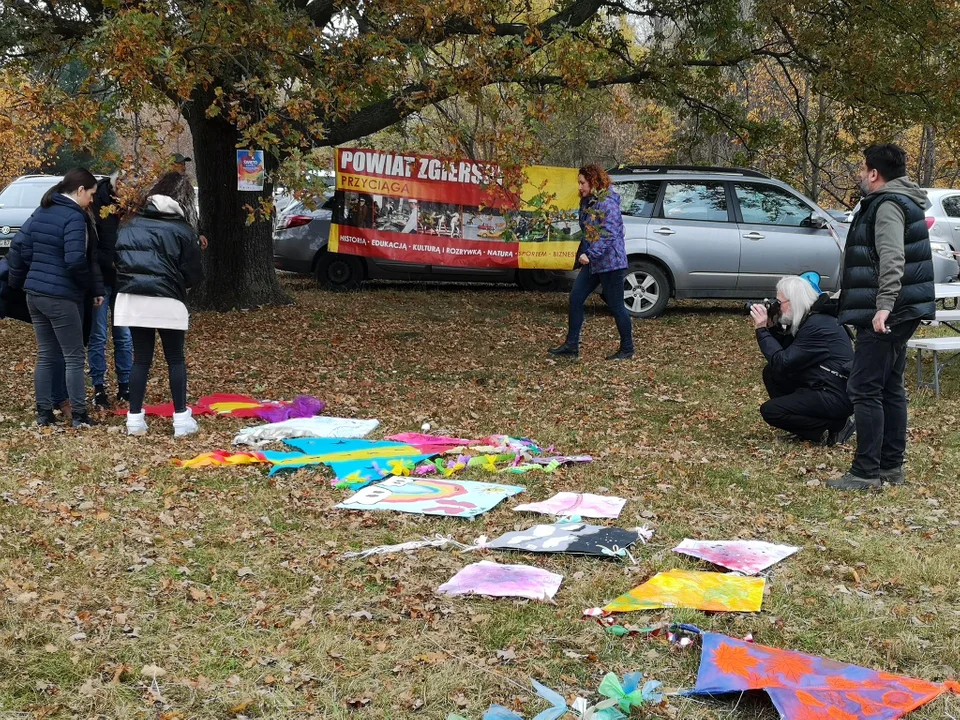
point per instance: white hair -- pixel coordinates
(801, 295)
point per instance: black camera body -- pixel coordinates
(772, 306)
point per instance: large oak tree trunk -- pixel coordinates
(238, 264)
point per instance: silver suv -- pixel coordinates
(705, 232)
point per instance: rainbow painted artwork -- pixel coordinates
(714, 592)
(430, 496)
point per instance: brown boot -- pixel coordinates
(65, 411)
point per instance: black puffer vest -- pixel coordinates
(861, 266)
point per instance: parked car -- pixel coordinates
(18, 201)
(943, 223)
(300, 246)
(708, 232)
(841, 216)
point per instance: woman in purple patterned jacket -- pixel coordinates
(603, 260)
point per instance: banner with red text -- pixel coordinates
(459, 213)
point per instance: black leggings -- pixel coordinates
(143, 343)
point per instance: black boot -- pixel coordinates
(100, 398)
(123, 392)
(46, 417)
(83, 420)
(621, 355)
(565, 350)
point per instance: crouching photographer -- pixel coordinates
(809, 356)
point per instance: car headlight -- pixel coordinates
(942, 249)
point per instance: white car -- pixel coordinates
(943, 223)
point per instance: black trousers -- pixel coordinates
(879, 398)
(173, 341)
(805, 412)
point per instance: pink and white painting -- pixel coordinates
(490, 578)
(581, 504)
(744, 556)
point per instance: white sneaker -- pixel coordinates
(137, 423)
(184, 424)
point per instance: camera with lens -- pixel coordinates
(772, 306)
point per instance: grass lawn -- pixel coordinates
(233, 586)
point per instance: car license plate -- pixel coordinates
(5, 242)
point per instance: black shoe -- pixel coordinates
(842, 435)
(100, 398)
(621, 355)
(849, 481)
(83, 420)
(566, 351)
(123, 392)
(893, 476)
(46, 417)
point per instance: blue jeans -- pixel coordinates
(612, 283)
(97, 347)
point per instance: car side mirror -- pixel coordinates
(818, 222)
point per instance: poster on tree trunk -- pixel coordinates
(454, 212)
(250, 170)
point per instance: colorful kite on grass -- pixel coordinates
(356, 463)
(431, 496)
(320, 426)
(577, 504)
(243, 406)
(496, 580)
(219, 458)
(567, 537)
(745, 556)
(691, 589)
(808, 687)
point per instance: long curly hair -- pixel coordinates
(177, 186)
(596, 176)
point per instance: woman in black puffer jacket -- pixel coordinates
(158, 259)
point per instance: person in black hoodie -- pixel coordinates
(808, 364)
(54, 260)
(107, 218)
(158, 259)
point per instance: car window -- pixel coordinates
(951, 205)
(637, 197)
(24, 194)
(767, 205)
(695, 201)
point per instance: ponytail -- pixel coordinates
(72, 181)
(47, 199)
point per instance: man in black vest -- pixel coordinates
(887, 289)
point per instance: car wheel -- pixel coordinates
(646, 290)
(538, 280)
(339, 272)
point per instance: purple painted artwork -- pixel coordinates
(490, 578)
(580, 504)
(745, 556)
